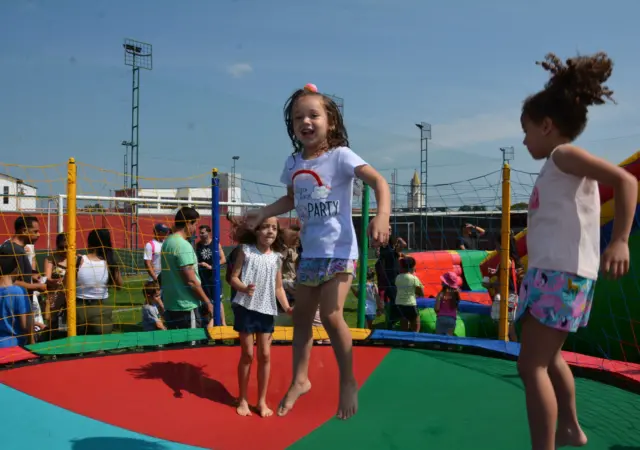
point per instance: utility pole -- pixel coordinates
(425, 136)
(394, 200)
(233, 183)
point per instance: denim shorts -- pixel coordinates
(444, 324)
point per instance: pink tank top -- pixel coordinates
(447, 309)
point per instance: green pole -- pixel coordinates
(364, 257)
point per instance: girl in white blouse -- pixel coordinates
(257, 278)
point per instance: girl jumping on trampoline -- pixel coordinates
(319, 177)
(563, 240)
(257, 279)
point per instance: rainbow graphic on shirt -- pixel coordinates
(311, 196)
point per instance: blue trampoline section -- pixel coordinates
(463, 307)
(507, 348)
(21, 414)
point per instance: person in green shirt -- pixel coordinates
(409, 287)
(181, 289)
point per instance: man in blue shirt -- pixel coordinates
(16, 319)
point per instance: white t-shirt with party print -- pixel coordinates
(323, 190)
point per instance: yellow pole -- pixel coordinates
(504, 253)
(72, 180)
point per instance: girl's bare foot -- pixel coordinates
(264, 410)
(292, 395)
(348, 403)
(243, 408)
(570, 437)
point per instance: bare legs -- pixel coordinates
(264, 370)
(333, 294)
(549, 388)
(244, 370)
(303, 314)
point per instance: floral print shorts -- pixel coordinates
(558, 300)
(316, 271)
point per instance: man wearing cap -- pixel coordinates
(153, 251)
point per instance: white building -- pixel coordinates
(415, 198)
(17, 195)
(230, 191)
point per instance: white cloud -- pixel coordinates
(239, 70)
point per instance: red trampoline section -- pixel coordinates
(188, 396)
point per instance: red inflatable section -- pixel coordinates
(430, 266)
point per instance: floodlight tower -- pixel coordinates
(137, 55)
(425, 136)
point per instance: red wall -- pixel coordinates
(117, 223)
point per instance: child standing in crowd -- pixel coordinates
(153, 308)
(374, 303)
(257, 279)
(447, 302)
(319, 177)
(408, 287)
(563, 240)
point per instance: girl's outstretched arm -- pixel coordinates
(379, 226)
(577, 161)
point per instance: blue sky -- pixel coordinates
(223, 70)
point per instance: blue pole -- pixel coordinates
(215, 246)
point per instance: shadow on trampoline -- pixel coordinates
(109, 443)
(182, 376)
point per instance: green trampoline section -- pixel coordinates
(445, 400)
(117, 341)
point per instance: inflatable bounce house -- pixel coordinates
(614, 325)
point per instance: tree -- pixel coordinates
(521, 206)
(467, 208)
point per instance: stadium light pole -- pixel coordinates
(126, 145)
(137, 55)
(425, 136)
(233, 181)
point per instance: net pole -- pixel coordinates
(215, 247)
(504, 253)
(70, 277)
(364, 257)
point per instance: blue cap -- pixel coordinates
(161, 228)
